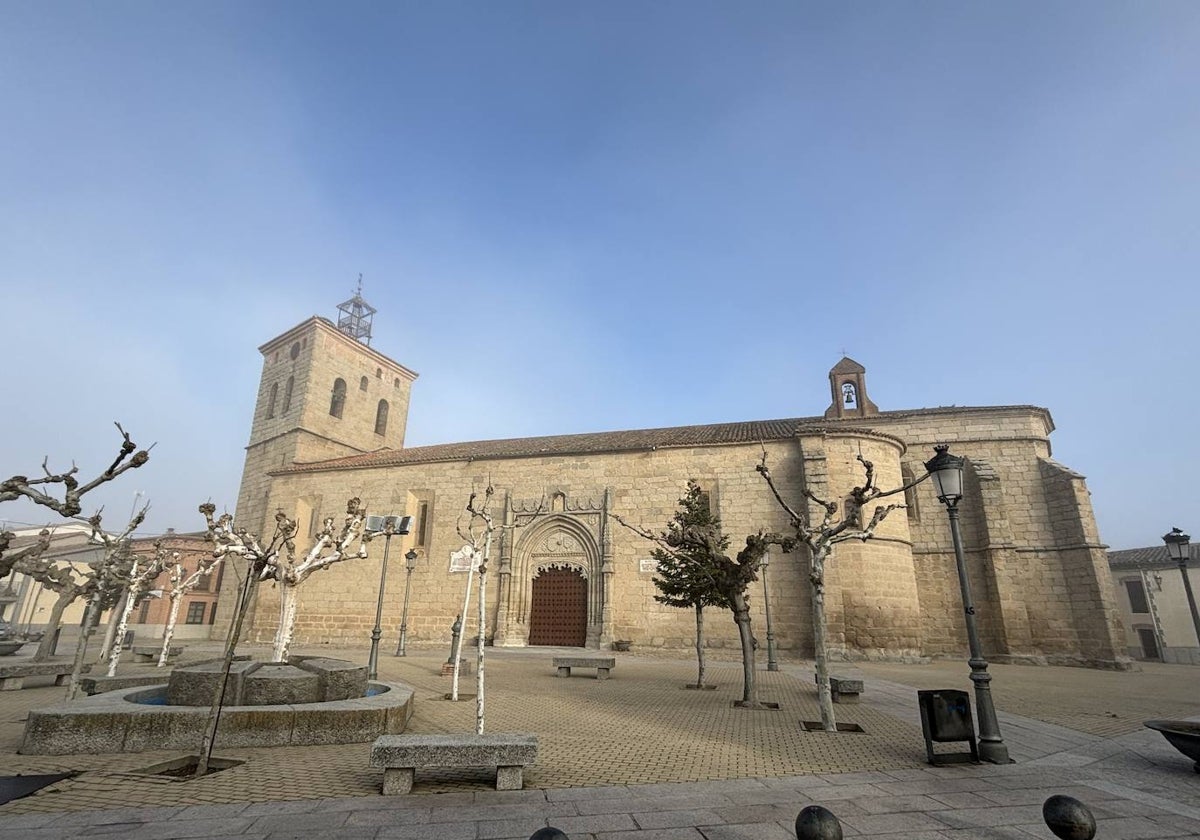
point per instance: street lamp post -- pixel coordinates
(947, 472)
(410, 563)
(1178, 546)
(772, 665)
(389, 526)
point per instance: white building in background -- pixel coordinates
(1154, 605)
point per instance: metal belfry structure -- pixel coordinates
(355, 316)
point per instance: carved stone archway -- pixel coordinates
(559, 541)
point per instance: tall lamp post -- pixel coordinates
(947, 472)
(772, 665)
(410, 563)
(1178, 546)
(389, 526)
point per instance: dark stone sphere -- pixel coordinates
(817, 823)
(1068, 818)
(550, 833)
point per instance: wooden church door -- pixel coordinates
(559, 613)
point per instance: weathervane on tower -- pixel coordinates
(356, 315)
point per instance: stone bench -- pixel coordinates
(844, 689)
(12, 676)
(149, 653)
(401, 756)
(99, 685)
(602, 664)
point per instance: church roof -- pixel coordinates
(1152, 557)
(714, 434)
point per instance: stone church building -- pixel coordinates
(329, 424)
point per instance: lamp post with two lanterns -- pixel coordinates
(947, 472)
(388, 526)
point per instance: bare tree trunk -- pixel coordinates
(820, 646)
(110, 630)
(287, 622)
(487, 550)
(231, 642)
(114, 656)
(741, 617)
(53, 625)
(169, 630)
(457, 652)
(700, 660)
(91, 617)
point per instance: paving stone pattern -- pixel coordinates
(637, 757)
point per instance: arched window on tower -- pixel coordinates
(362, 384)
(271, 400)
(287, 394)
(381, 418)
(338, 401)
(911, 503)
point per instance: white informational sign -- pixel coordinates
(464, 560)
(649, 565)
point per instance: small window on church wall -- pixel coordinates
(271, 400)
(381, 418)
(396, 382)
(1137, 596)
(362, 384)
(295, 351)
(849, 395)
(423, 525)
(287, 394)
(338, 401)
(379, 373)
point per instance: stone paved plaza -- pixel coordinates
(638, 757)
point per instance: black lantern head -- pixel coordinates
(1177, 545)
(947, 472)
(410, 559)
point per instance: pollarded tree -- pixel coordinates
(179, 584)
(144, 571)
(820, 537)
(37, 490)
(694, 537)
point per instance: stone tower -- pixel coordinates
(324, 393)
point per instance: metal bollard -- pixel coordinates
(550, 833)
(817, 823)
(1068, 818)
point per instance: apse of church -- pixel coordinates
(564, 573)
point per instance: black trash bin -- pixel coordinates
(946, 717)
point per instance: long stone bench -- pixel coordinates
(101, 684)
(150, 653)
(401, 756)
(12, 676)
(602, 664)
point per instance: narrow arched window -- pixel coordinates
(287, 394)
(271, 400)
(381, 418)
(379, 373)
(362, 384)
(338, 401)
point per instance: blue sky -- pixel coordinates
(575, 217)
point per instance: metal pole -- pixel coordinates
(377, 631)
(401, 648)
(991, 745)
(772, 665)
(1187, 587)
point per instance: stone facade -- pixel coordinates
(1039, 572)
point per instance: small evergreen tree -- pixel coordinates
(697, 543)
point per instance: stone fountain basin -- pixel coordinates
(1183, 735)
(8, 647)
(137, 720)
